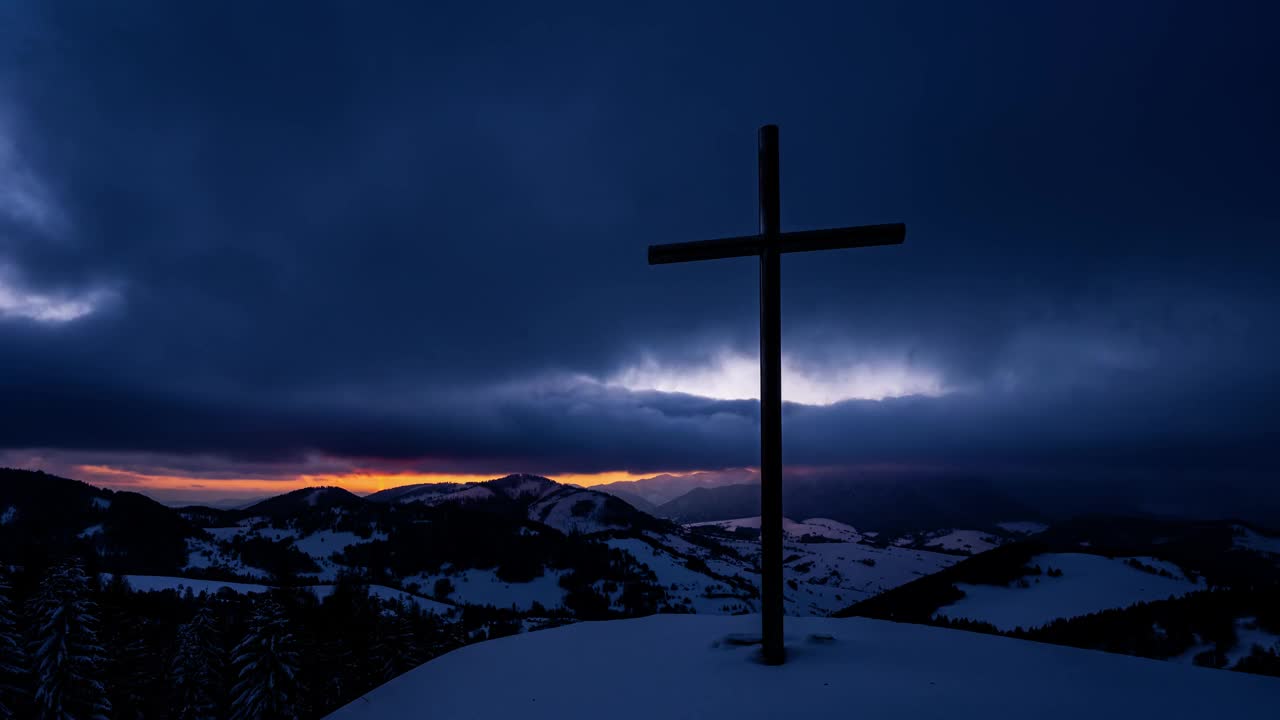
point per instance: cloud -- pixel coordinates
(737, 377)
(416, 237)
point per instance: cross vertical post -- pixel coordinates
(769, 245)
(770, 400)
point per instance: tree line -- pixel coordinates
(78, 646)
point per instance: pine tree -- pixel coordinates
(395, 649)
(266, 663)
(12, 657)
(197, 668)
(65, 653)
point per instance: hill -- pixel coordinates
(891, 505)
(692, 666)
(43, 516)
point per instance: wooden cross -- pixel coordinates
(769, 245)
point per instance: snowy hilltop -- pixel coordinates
(670, 666)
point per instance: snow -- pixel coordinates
(327, 542)
(1250, 540)
(828, 576)
(101, 503)
(967, 540)
(572, 512)
(816, 527)
(482, 587)
(1023, 527)
(704, 594)
(1248, 634)
(673, 666)
(149, 583)
(1089, 583)
(531, 486)
(386, 593)
(8, 515)
(469, 494)
(205, 554)
(91, 531)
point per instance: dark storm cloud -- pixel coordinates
(400, 233)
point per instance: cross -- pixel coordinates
(769, 245)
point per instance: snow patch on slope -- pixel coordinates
(1089, 583)
(1247, 539)
(484, 587)
(970, 541)
(813, 528)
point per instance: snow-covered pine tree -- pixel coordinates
(12, 657)
(197, 669)
(65, 654)
(266, 663)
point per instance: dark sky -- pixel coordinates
(252, 239)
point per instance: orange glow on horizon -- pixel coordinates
(360, 482)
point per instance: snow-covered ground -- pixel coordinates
(8, 515)
(152, 583)
(834, 573)
(572, 512)
(1250, 540)
(674, 666)
(386, 593)
(822, 528)
(483, 587)
(1249, 635)
(1089, 583)
(970, 541)
(696, 590)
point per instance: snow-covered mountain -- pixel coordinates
(525, 551)
(671, 666)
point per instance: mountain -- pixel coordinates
(414, 493)
(661, 489)
(699, 666)
(44, 516)
(893, 504)
(567, 508)
(315, 498)
(719, 503)
(523, 545)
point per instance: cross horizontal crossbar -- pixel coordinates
(803, 241)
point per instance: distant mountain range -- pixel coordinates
(522, 542)
(651, 493)
(889, 504)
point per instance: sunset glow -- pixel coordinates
(176, 487)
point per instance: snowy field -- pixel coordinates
(815, 527)
(154, 583)
(1089, 583)
(674, 666)
(1250, 540)
(484, 587)
(827, 576)
(970, 541)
